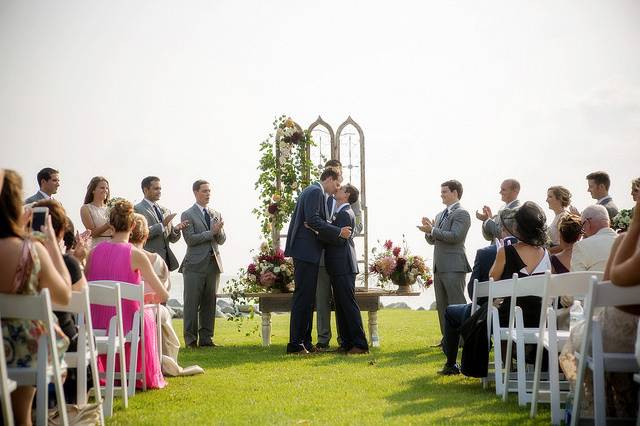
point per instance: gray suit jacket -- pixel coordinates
(448, 240)
(34, 198)
(608, 204)
(159, 237)
(201, 242)
(491, 227)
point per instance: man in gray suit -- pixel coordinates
(201, 267)
(599, 183)
(161, 231)
(447, 234)
(48, 181)
(509, 190)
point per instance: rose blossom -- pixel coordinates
(273, 208)
(267, 278)
(388, 244)
(396, 251)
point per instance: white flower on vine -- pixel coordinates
(276, 270)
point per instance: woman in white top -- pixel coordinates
(559, 200)
(94, 213)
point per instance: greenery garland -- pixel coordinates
(284, 159)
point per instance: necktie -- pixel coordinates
(442, 219)
(329, 207)
(158, 213)
(207, 219)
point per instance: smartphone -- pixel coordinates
(39, 218)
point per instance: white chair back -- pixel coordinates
(135, 293)
(480, 289)
(601, 294)
(109, 295)
(38, 308)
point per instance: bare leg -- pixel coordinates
(21, 400)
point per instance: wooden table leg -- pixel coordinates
(373, 329)
(266, 328)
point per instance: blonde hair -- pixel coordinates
(562, 194)
(140, 231)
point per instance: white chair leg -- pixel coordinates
(110, 379)
(123, 373)
(522, 373)
(599, 399)
(42, 388)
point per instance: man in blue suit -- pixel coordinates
(305, 249)
(342, 265)
(456, 315)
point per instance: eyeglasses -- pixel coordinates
(584, 222)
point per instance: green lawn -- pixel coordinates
(246, 383)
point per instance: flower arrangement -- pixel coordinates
(399, 266)
(271, 270)
(112, 202)
(284, 160)
(622, 220)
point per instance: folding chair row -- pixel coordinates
(6, 387)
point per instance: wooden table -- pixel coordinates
(281, 302)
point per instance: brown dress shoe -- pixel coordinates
(302, 351)
(357, 351)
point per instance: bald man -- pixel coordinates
(509, 190)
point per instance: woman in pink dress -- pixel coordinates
(118, 260)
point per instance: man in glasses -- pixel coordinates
(592, 252)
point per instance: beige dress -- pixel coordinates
(170, 342)
(99, 216)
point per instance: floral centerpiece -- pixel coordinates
(271, 270)
(399, 266)
(622, 220)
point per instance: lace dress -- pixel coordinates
(20, 337)
(99, 216)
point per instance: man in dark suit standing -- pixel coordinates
(342, 265)
(305, 249)
(161, 231)
(48, 182)
(447, 233)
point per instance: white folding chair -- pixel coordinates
(520, 335)
(38, 308)
(110, 341)
(136, 337)
(6, 387)
(574, 284)
(481, 289)
(86, 354)
(499, 290)
(602, 294)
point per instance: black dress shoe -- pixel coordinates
(302, 351)
(210, 345)
(192, 345)
(449, 370)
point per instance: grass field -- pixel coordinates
(246, 383)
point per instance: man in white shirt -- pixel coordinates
(592, 252)
(509, 190)
(48, 181)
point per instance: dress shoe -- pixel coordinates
(449, 370)
(357, 351)
(301, 352)
(210, 345)
(192, 345)
(322, 347)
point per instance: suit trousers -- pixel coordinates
(449, 289)
(200, 287)
(304, 298)
(455, 316)
(323, 306)
(348, 318)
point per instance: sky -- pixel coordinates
(544, 92)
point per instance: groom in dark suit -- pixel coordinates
(342, 265)
(305, 249)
